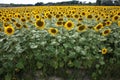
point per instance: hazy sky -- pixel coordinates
(34, 1)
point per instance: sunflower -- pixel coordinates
(25, 26)
(23, 19)
(69, 25)
(18, 26)
(57, 16)
(5, 24)
(98, 27)
(76, 16)
(13, 20)
(115, 18)
(9, 30)
(104, 51)
(80, 19)
(106, 32)
(40, 24)
(59, 23)
(89, 16)
(37, 16)
(49, 16)
(53, 31)
(108, 23)
(81, 28)
(119, 23)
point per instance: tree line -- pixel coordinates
(97, 3)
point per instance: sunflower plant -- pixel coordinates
(56, 42)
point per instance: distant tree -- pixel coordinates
(116, 3)
(80, 3)
(90, 3)
(108, 3)
(98, 2)
(39, 3)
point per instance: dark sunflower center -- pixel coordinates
(118, 13)
(76, 16)
(99, 26)
(24, 26)
(69, 25)
(108, 22)
(80, 19)
(89, 16)
(39, 23)
(104, 51)
(57, 16)
(9, 30)
(83, 13)
(68, 16)
(59, 23)
(106, 32)
(116, 17)
(23, 20)
(53, 31)
(81, 28)
(13, 20)
(49, 16)
(18, 25)
(37, 16)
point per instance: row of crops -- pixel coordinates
(53, 39)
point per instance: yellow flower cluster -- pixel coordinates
(69, 17)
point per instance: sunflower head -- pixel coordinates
(104, 51)
(9, 30)
(18, 26)
(76, 16)
(115, 18)
(106, 32)
(108, 23)
(69, 25)
(89, 16)
(23, 19)
(53, 31)
(40, 24)
(59, 23)
(81, 28)
(98, 27)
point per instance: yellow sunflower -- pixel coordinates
(9, 30)
(108, 23)
(115, 18)
(106, 32)
(53, 31)
(119, 23)
(89, 16)
(40, 24)
(98, 27)
(23, 19)
(81, 28)
(18, 26)
(69, 25)
(104, 51)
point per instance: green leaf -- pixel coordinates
(97, 65)
(20, 65)
(39, 65)
(8, 77)
(1, 70)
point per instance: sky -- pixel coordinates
(35, 1)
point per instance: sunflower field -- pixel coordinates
(72, 42)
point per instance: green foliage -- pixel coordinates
(38, 50)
